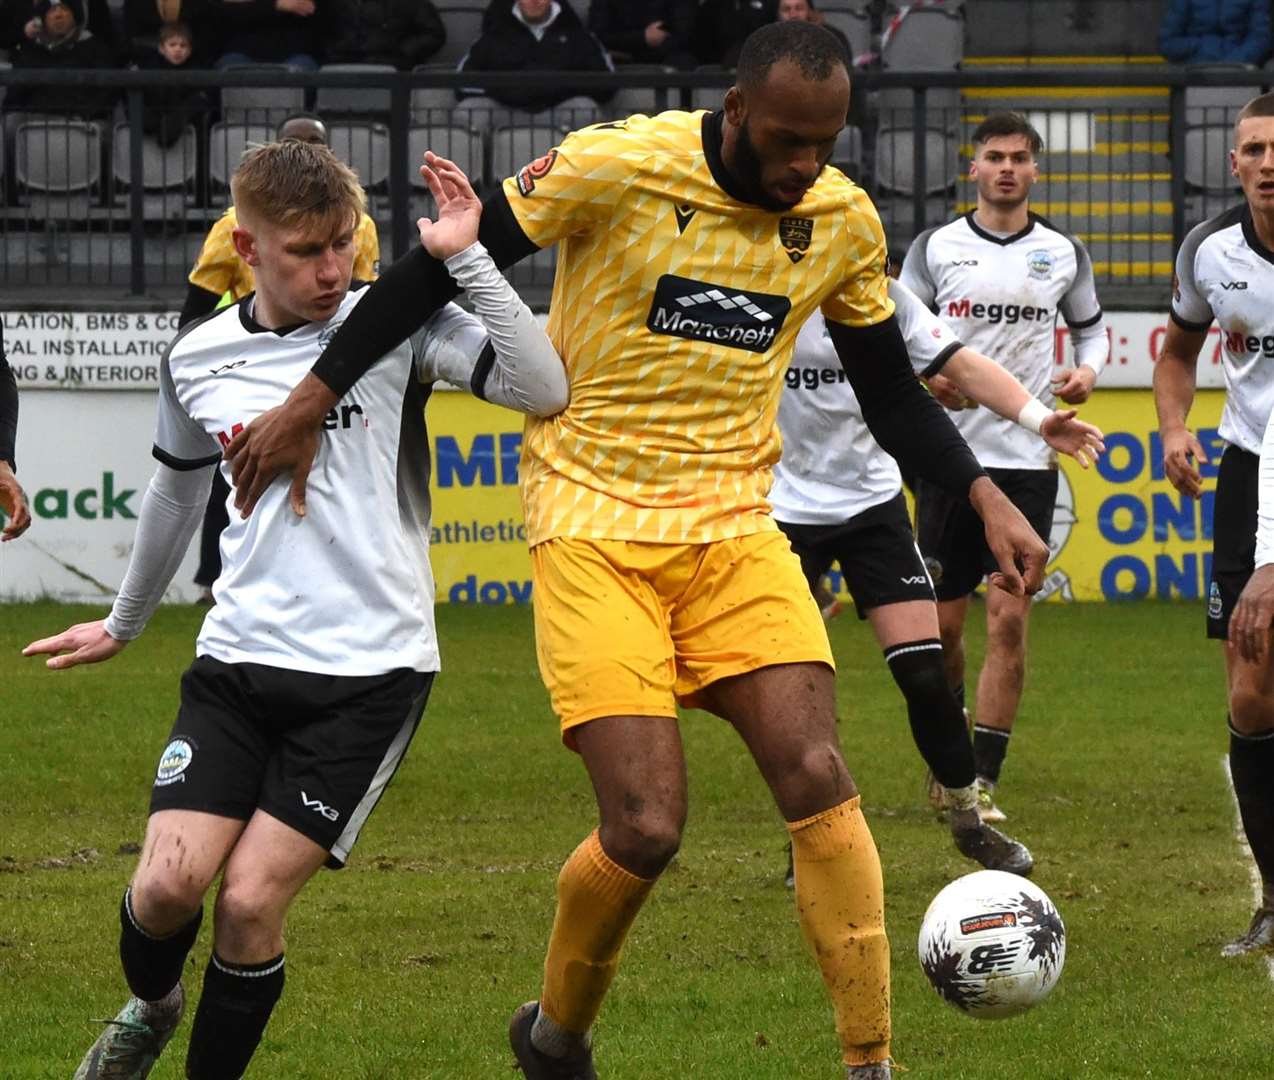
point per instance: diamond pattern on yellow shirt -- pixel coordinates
(675, 309)
(218, 268)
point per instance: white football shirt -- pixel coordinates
(348, 589)
(832, 469)
(1225, 273)
(1002, 295)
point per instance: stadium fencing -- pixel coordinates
(122, 199)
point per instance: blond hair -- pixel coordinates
(290, 182)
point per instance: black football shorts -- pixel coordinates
(1233, 535)
(314, 751)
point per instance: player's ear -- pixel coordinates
(245, 245)
(1234, 164)
(734, 107)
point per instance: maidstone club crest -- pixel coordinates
(795, 234)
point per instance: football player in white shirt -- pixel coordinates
(313, 669)
(1225, 271)
(1000, 275)
(838, 498)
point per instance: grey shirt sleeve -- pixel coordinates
(915, 271)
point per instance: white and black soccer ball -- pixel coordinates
(992, 944)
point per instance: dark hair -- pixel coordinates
(173, 29)
(1258, 106)
(815, 50)
(1000, 124)
(296, 117)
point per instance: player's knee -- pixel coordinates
(811, 778)
(247, 909)
(923, 684)
(644, 843)
(165, 901)
(1251, 712)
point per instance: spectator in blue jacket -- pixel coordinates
(1216, 31)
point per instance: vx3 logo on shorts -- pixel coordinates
(918, 579)
(317, 806)
(718, 314)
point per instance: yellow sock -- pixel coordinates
(597, 901)
(840, 899)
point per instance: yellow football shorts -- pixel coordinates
(633, 629)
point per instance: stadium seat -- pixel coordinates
(854, 23)
(433, 104)
(58, 166)
(895, 161)
(848, 152)
(513, 146)
(269, 105)
(366, 147)
(1207, 158)
(461, 145)
(641, 99)
(464, 27)
(923, 38)
(1217, 104)
(4, 66)
(168, 173)
(347, 100)
(226, 144)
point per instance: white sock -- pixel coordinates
(549, 1037)
(962, 798)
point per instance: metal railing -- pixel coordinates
(1129, 173)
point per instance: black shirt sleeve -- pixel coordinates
(904, 419)
(404, 297)
(8, 408)
(199, 302)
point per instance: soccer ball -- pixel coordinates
(992, 944)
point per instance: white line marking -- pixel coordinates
(1254, 875)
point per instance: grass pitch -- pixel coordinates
(408, 963)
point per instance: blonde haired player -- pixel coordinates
(691, 248)
(313, 669)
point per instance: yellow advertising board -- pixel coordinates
(1120, 530)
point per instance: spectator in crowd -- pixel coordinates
(13, 500)
(169, 110)
(399, 32)
(1216, 31)
(55, 38)
(645, 31)
(143, 18)
(531, 36)
(721, 26)
(17, 17)
(805, 11)
(220, 273)
(291, 32)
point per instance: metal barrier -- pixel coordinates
(121, 200)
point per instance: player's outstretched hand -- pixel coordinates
(459, 209)
(1068, 435)
(948, 395)
(1253, 616)
(1017, 548)
(84, 643)
(284, 439)
(1181, 452)
(1075, 385)
(13, 500)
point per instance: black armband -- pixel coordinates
(406, 295)
(904, 419)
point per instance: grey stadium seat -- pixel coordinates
(854, 23)
(464, 27)
(365, 146)
(895, 161)
(642, 99)
(513, 146)
(370, 101)
(162, 167)
(461, 145)
(58, 159)
(433, 104)
(261, 104)
(226, 144)
(1207, 158)
(927, 38)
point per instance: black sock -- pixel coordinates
(937, 721)
(234, 1008)
(1252, 770)
(989, 747)
(152, 965)
(958, 693)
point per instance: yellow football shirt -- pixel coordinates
(675, 309)
(218, 268)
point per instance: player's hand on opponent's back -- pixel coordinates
(1067, 434)
(1181, 454)
(1075, 385)
(13, 500)
(948, 395)
(1253, 615)
(459, 209)
(84, 643)
(1017, 547)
